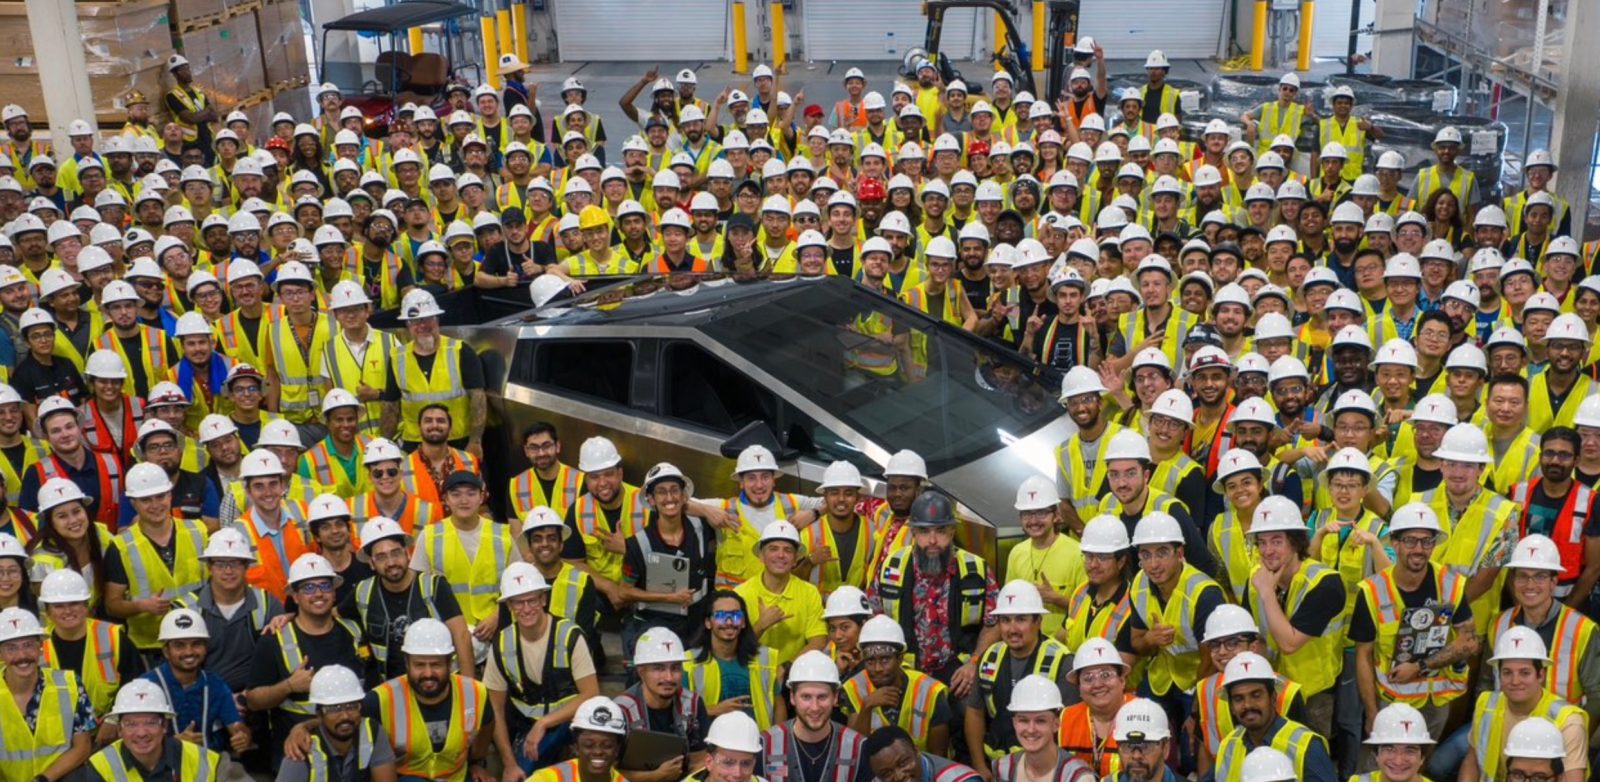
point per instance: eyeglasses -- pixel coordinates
(1096, 677)
(342, 708)
(1413, 541)
(161, 447)
(309, 588)
(246, 389)
(142, 723)
(228, 564)
(1159, 552)
(1232, 643)
(1517, 775)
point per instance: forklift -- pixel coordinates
(1061, 27)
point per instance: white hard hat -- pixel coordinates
(598, 453)
(1080, 380)
(1036, 492)
(326, 507)
(1467, 356)
(521, 578)
(1034, 692)
(658, 645)
(1346, 459)
(141, 696)
(64, 585)
(428, 637)
(192, 324)
(734, 731)
(51, 405)
(17, 623)
(906, 463)
(816, 667)
(181, 624)
(1174, 403)
(1520, 642)
(1104, 534)
(882, 629)
(1247, 667)
(419, 304)
(1396, 351)
(840, 475)
(1464, 442)
(1273, 325)
(755, 458)
(1228, 620)
(1415, 516)
(1141, 719)
(778, 530)
(1399, 723)
(542, 517)
(846, 601)
(280, 432)
(1535, 738)
(1019, 598)
(313, 566)
(215, 427)
(335, 685)
(1157, 528)
(1568, 326)
(1356, 400)
(1127, 444)
(1435, 408)
(600, 714)
(1276, 513)
(106, 364)
(1096, 651)
(1254, 410)
(146, 479)
(228, 543)
(1265, 764)
(381, 450)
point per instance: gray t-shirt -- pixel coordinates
(342, 768)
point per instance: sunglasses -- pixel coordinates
(727, 617)
(389, 472)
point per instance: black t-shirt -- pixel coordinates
(702, 567)
(356, 572)
(392, 612)
(843, 260)
(977, 292)
(335, 647)
(664, 721)
(844, 545)
(1423, 480)
(134, 346)
(1205, 603)
(471, 372)
(1026, 307)
(69, 656)
(435, 715)
(249, 434)
(1321, 606)
(1364, 630)
(501, 260)
(35, 381)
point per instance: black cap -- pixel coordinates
(1227, 248)
(741, 221)
(1203, 334)
(463, 478)
(513, 217)
(932, 509)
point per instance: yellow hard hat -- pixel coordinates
(593, 217)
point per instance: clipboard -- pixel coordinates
(648, 749)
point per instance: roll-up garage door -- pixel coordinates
(857, 30)
(631, 30)
(1131, 28)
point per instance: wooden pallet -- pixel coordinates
(208, 20)
(290, 84)
(255, 99)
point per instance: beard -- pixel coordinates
(1344, 246)
(931, 563)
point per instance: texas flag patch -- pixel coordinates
(989, 669)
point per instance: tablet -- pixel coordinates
(648, 749)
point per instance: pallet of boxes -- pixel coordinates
(283, 56)
(223, 46)
(125, 45)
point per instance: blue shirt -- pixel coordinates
(208, 704)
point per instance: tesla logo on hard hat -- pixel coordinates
(1406, 726)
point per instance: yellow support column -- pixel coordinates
(1038, 35)
(491, 52)
(519, 29)
(999, 37)
(414, 35)
(780, 39)
(503, 28)
(741, 46)
(1258, 36)
(1308, 13)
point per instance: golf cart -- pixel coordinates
(370, 65)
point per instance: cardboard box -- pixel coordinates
(226, 59)
(283, 44)
(195, 13)
(25, 90)
(118, 38)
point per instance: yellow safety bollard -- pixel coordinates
(1258, 36)
(519, 29)
(491, 52)
(1038, 35)
(780, 39)
(502, 25)
(414, 35)
(1308, 13)
(741, 46)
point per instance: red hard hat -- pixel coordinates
(978, 148)
(871, 190)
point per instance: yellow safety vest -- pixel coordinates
(969, 591)
(527, 491)
(1489, 725)
(829, 577)
(26, 752)
(317, 755)
(148, 576)
(442, 385)
(1382, 598)
(1082, 483)
(198, 765)
(193, 100)
(1291, 738)
(1430, 181)
(705, 678)
(1134, 329)
(237, 344)
(152, 356)
(102, 656)
(475, 582)
(1519, 463)
(1047, 659)
(1278, 120)
(299, 376)
(1233, 549)
(589, 518)
(1085, 620)
(1352, 138)
(1216, 719)
(1316, 665)
(737, 561)
(413, 748)
(1464, 547)
(31, 448)
(1178, 663)
(373, 371)
(1569, 644)
(1353, 563)
(920, 696)
(556, 687)
(330, 475)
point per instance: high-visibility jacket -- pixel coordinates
(193, 100)
(418, 480)
(1519, 463)
(271, 568)
(1464, 184)
(870, 355)
(567, 771)
(592, 524)
(27, 751)
(102, 659)
(298, 371)
(1290, 738)
(556, 686)
(966, 597)
(416, 514)
(372, 371)
(98, 436)
(567, 591)
(235, 341)
(329, 473)
(737, 560)
(1078, 736)
(441, 385)
(32, 447)
(1354, 563)
(475, 582)
(202, 400)
(1316, 665)
(1068, 768)
(705, 678)
(1083, 484)
(413, 747)
(1177, 663)
(153, 346)
(317, 760)
(1515, 204)
(1278, 120)
(1568, 530)
(1134, 328)
(1570, 637)
(828, 576)
(920, 694)
(783, 754)
(1086, 620)
(1235, 554)
(1489, 726)
(1384, 605)
(148, 576)
(426, 586)
(1047, 659)
(527, 491)
(1214, 716)
(198, 764)
(1351, 137)
(1466, 546)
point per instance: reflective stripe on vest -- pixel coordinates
(317, 756)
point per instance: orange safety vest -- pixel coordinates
(416, 514)
(98, 436)
(1077, 736)
(418, 481)
(661, 265)
(1568, 530)
(110, 483)
(270, 572)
